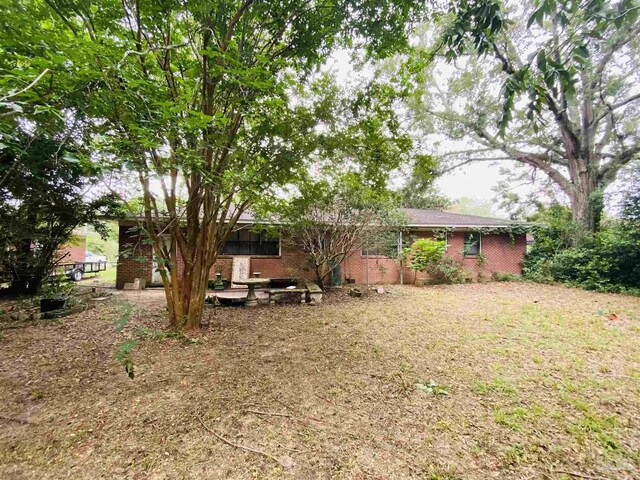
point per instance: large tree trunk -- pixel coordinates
(582, 212)
(186, 288)
(586, 201)
(185, 293)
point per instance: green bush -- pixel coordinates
(425, 252)
(447, 271)
(505, 277)
(607, 261)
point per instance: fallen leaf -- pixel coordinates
(613, 316)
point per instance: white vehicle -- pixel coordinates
(92, 257)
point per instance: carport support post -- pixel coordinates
(366, 266)
(400, 256)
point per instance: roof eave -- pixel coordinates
(507, 225)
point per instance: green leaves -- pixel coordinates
(575, 30)
(425, 252)
(124, 357)
(545, 9)
(124, 318)
(475, 26)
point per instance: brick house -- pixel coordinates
(469, 238)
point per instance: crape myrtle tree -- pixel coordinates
(336, 217)
(551, 85)
(195, 99)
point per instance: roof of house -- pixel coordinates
(435, 218)
(422, 218)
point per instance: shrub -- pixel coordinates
(505, 277)
(424, 253)
(607, 261)
(447, 271)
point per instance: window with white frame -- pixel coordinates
(472, 244)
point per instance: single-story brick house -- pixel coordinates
(501, 250)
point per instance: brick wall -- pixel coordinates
(290, 263)
(137, 263)
(503, 254)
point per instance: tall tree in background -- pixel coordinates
(555, 89)
(418, 190)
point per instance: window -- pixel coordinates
(385, 244)
(246, 242)
(442, 236)
(472, 244)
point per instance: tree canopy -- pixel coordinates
(552, 86)
(197, 101)
(43, 194)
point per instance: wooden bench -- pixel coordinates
(311, 293)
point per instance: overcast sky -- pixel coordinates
(474, 180)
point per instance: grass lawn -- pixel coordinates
(459, 382)
(106, 278)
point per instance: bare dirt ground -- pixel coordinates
(461, 382)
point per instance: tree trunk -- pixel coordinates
(586, 205)
(186, 290)
(199, 283)
(582, 213)
(23, 281)
(319, 276)
(185, 295)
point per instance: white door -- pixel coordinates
(156, 278)
(240, 268)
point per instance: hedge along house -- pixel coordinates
(482, 245)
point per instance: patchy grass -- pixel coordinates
(503, 380)
(106, 277)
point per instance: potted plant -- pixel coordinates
(54, 295)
